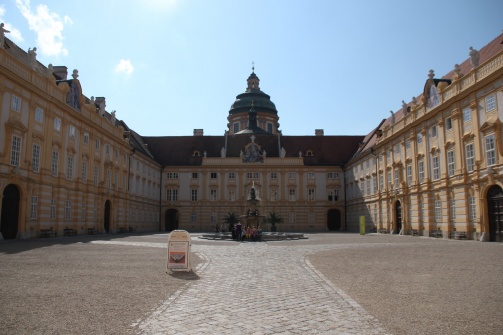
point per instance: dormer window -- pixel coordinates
(196, 153)
(309, 153)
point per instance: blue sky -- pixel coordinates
(168, 67)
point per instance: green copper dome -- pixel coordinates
(261, 101)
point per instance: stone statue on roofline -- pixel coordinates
(474, 57)
(32, 56)
(282, 152)
(222, 152)
(2, 34)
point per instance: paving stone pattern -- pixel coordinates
(259, 289)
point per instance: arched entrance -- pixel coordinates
(495, 211)
(398, 217)
(171, 220)
(106, 221)
(10, 212)
(334, 220)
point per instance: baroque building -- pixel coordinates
(68, 166)
(434, 167)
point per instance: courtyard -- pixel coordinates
(330, 283)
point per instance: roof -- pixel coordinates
(179, 150)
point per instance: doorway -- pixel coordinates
(106, 221)
(495, 211)
(171, 220)
(10, 212)
(398, 217)
(334, 220)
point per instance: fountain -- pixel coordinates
(253, 219)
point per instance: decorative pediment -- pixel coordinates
(468, 136)
(56, 144)
(419, 155)
(37, 136)
(434, 150)
(492, 124)
(449, 144)
(16, 124)
(253, 153)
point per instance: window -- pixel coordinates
(69, 167)
(274, 175)
(16, 151)
(438, 211)
(467, 114)
(236, 127)
(332, 175)
(274, 194)
(71, 132)
(453, 209)
(54, 163)
(381, 182)
(311, 195)
(368, 186)
(172, 195)
(490, 103)
(397, 149)
(39, 115)
(52, 212)
(172, 175)
(419, 138)
(68, 209)
(123, 182)
(57, 124)
(96, 175)
(389, 181)
(436, 167)
(374, 181)
(193, 217)
(232, 194)
(15, 104)
(252, 175)
(213, 175)
(33, 207)
(107, 149)
(213, 195)
(291, 194)
(397, 180)
(194, 195)
(310, 175)
(470, 157)
(109, 179)
(450, 163)
(448, 124)
(472, 208)
(269, 127)
(407, 144)
(433, 131)
(409, 174)
(86, 138)
(291, 175)
(490, 150)
(116, 181)
(97, 144)
(194, 175)
(35, 158)
(420, 169)
(232, 175)
(84, 171)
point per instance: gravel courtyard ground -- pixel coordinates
(106, 284)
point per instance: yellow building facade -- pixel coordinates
(434, 167)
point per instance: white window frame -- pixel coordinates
(420, 169)
(84, 171)
(490, 146)
(435, 162)
(69, 167)
(438, 211)
(15, 103)
(470, 157)
(39, 115)
(54, 163)
(472, 208)
(490, 103)
(467, 114)
(35, 158)
(33, 207)
(15, 156)
(311, 194)
(451, 167)
(57, 124)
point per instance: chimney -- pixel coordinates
(61, 72)
(319, 132)
(198, 132)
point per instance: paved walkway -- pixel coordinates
(259, 289)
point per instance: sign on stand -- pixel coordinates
(179, 250)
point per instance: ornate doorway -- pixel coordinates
(495, 211)
(106, 219)
(334, 220)
(171, 220)
(10, 212)
(398, 217)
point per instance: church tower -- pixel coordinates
(253, 99)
